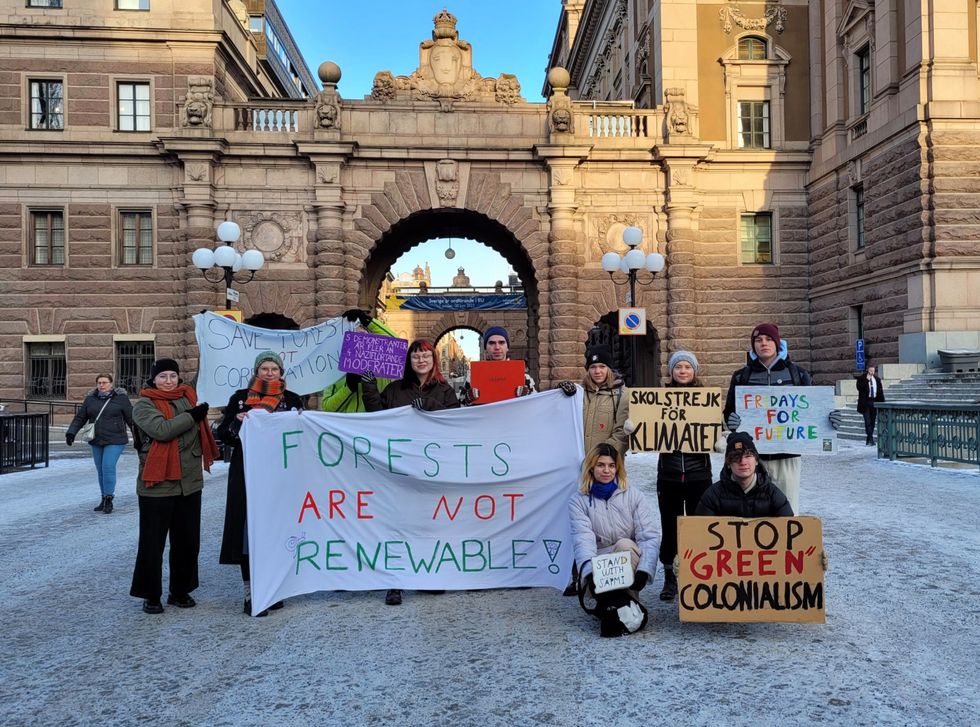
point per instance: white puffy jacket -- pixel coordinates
(596, 527)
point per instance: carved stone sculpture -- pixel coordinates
(447, 182)
(199, 102)
(560, 118)
(681, 116)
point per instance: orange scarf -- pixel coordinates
(163, 460)
(265, 394)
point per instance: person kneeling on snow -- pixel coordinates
(745, 488)
(607, 516)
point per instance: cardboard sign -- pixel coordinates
(788, 419)
(382, 355)
(496, 380)
(738, 570)
(675, 419)
(612, 571)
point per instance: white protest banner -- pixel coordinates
(456, 499)
(228, 350)
(787, 419)
(612, 571)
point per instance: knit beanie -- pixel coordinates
(740, 442)
(767, 329)
(679, 356)
(269, 356)
(598, 355)
(495, 331)
(163, 364)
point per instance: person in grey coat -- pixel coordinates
(111, 411)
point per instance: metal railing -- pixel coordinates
(50, 406)
(23, 440)
(946, 432)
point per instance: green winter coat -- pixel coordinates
(151, 426)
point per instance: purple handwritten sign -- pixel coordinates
(384, 356)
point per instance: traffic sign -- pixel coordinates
(632, 321)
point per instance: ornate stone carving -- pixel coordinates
(198, 102)
(277, 234)
(561, 120)
(196, 172)
(328, 110)
(774, 15)
(560, 117)
(678, 120)
(608, 231)
(240, 10)
(445, 73)
(447, 182)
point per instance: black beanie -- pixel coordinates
(598, 355)
(163, 364)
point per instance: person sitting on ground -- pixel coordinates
(422, 386)
(608, 516)
(745, 488)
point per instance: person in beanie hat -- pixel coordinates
(266, 390)
(174, 441)
(769, 365)
(745, 488)
(681, 478)
(496, 347)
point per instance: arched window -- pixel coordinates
(752, 48)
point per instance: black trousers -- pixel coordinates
(179, 517)
(676, 499)
(870, 415)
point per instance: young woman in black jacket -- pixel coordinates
(681, 478)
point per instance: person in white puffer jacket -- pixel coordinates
(608, 516)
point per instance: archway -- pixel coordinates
(606, 332)
(457, 223)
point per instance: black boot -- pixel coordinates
(669, 593)
(393, 597)
(101, 506)
(107, 504)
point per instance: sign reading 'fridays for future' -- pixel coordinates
(787, 419)
(457, 499)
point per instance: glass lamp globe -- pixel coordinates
(237, 265)
(253, 260)
(229, 231)
(635, 259)
(224, 256)
(632, 236)
(610, 262)
(203, 258)
(655, 262)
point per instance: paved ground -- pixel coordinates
(900, 645)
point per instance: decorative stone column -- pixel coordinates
(682, 307)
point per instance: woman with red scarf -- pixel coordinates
(265, 391)
(173, 441)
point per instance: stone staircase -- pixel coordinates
(906, 382)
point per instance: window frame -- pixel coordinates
(863, 85)
(766, 118)
(135, 83)
(754, 240)
(860, 230)
(750, 56)
(52, 390)
(33, 214)
(141, 213)
(756, 81)
(143, 362)
(31, 81)
(115, 6)
(44, 4)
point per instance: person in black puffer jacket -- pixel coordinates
(745, 488)
(681, 478)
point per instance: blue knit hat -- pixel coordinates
(495, 331)
(679, 356)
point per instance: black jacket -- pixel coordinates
(726, 498)
(864, 392)
(112, 427)
(233, 538)
(680, 467)
(435, 395)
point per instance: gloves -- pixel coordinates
(472, 394)
(69, 438)
(567, 387)
(353, 381)
(640, 579)
(733, 421)
(836, 419)
(676, 565)
(419, 403)
(368, 377)
(355, 314)
(521, 391)
(200, 412)
(823, 560)
(629, 427)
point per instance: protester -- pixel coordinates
(608, 516)
(422, 386)
(268, 392)
(345, 395)
(681, 478)
(745, 488)
(111, 413)
(173, 440)
(496, 347)
(769, 365)
(870, 391)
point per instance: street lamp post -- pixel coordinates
(223, 262)
(630, 265)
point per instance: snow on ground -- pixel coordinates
(899, 646)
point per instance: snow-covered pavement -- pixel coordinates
(900, 645)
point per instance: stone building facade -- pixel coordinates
(131, 137)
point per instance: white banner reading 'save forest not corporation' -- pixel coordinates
(228, 350)
(456, 499)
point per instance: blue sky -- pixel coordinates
(365, 37)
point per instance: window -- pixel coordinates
(134, 359)
(46, 370)
(864, 80)
(752, 49)
(135, 237)
(132, 4)
(753, 125)
(255, 23)
(134, 106)
(44, 3)
(47, 237)
(859, 215)
(47, 105)
(756, 238)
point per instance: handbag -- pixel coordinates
(87, 432)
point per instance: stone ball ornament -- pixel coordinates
(329, 73)
(559, 78)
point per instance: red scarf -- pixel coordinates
(163, 460)
(265, 394)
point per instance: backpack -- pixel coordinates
(794, 373)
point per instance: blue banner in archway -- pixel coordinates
(506, 301)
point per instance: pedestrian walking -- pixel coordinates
(870, 392)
